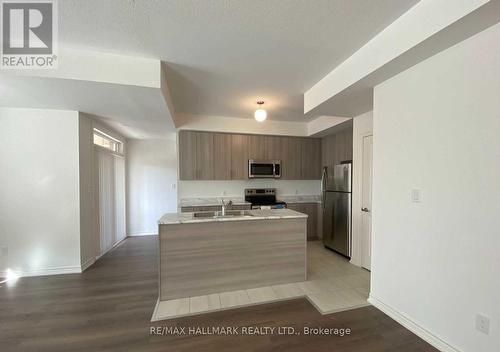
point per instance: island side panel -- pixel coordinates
(204, 258)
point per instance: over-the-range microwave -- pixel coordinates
(264, 168)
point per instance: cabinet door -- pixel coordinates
(294, 206)
(347, 142)
(311, 159)
(316, 154)
(337, 148)
(187, 158)
(311, 209)
(239, 157)
(257, 147)
(204, 156)
(291, 157)
(343, 146)
(222, 156)
(327, 151)
(273, 148)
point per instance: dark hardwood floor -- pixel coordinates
(109, 306)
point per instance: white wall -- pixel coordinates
(362, 126)
(151, 183)
(197, 189)
(318, 127)
(437, 263)
(240, 125)
(324, 125)
(418, 24)
(98, 66)
(39, 191)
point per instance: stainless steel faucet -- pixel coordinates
(225, 205)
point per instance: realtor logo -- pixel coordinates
(29, 34)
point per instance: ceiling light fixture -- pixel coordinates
(260, 114)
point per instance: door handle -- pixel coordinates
(366, 210)
(324, 176)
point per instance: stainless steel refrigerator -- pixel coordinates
(336, 184)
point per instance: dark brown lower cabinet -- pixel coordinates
(312, 210)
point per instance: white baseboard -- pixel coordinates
(87, 264)
(60, 270)
(143, 234)
(113, 247)
(412, 326)
(52, 271)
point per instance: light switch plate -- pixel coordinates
(482, 324)
(416, 195)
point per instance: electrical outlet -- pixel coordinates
(482, 324)
(416, 195)
(173, 186)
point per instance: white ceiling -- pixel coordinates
(224, 55)
(136, 112)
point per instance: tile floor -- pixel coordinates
(333, 284)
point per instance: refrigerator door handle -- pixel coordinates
(349, 226)
(324, 177)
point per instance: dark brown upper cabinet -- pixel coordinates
(187, 155)
(310, 159)
(291, 158)
(337, 147)
(239, 156)
(224, 156)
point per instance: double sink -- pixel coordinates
(219, 214)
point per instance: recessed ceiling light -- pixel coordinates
(260, 114)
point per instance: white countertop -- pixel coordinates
(213, 201)
(300, 199)
(258, 214)
(210, 201)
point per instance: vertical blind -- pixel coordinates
(111, 198)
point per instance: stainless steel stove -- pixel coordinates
(262, 198)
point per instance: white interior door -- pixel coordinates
(366, 202)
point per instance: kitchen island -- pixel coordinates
(205, 253)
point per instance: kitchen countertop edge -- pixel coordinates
(264, 214)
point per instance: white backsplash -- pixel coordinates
(197, 189)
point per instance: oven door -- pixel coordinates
(260, 169)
